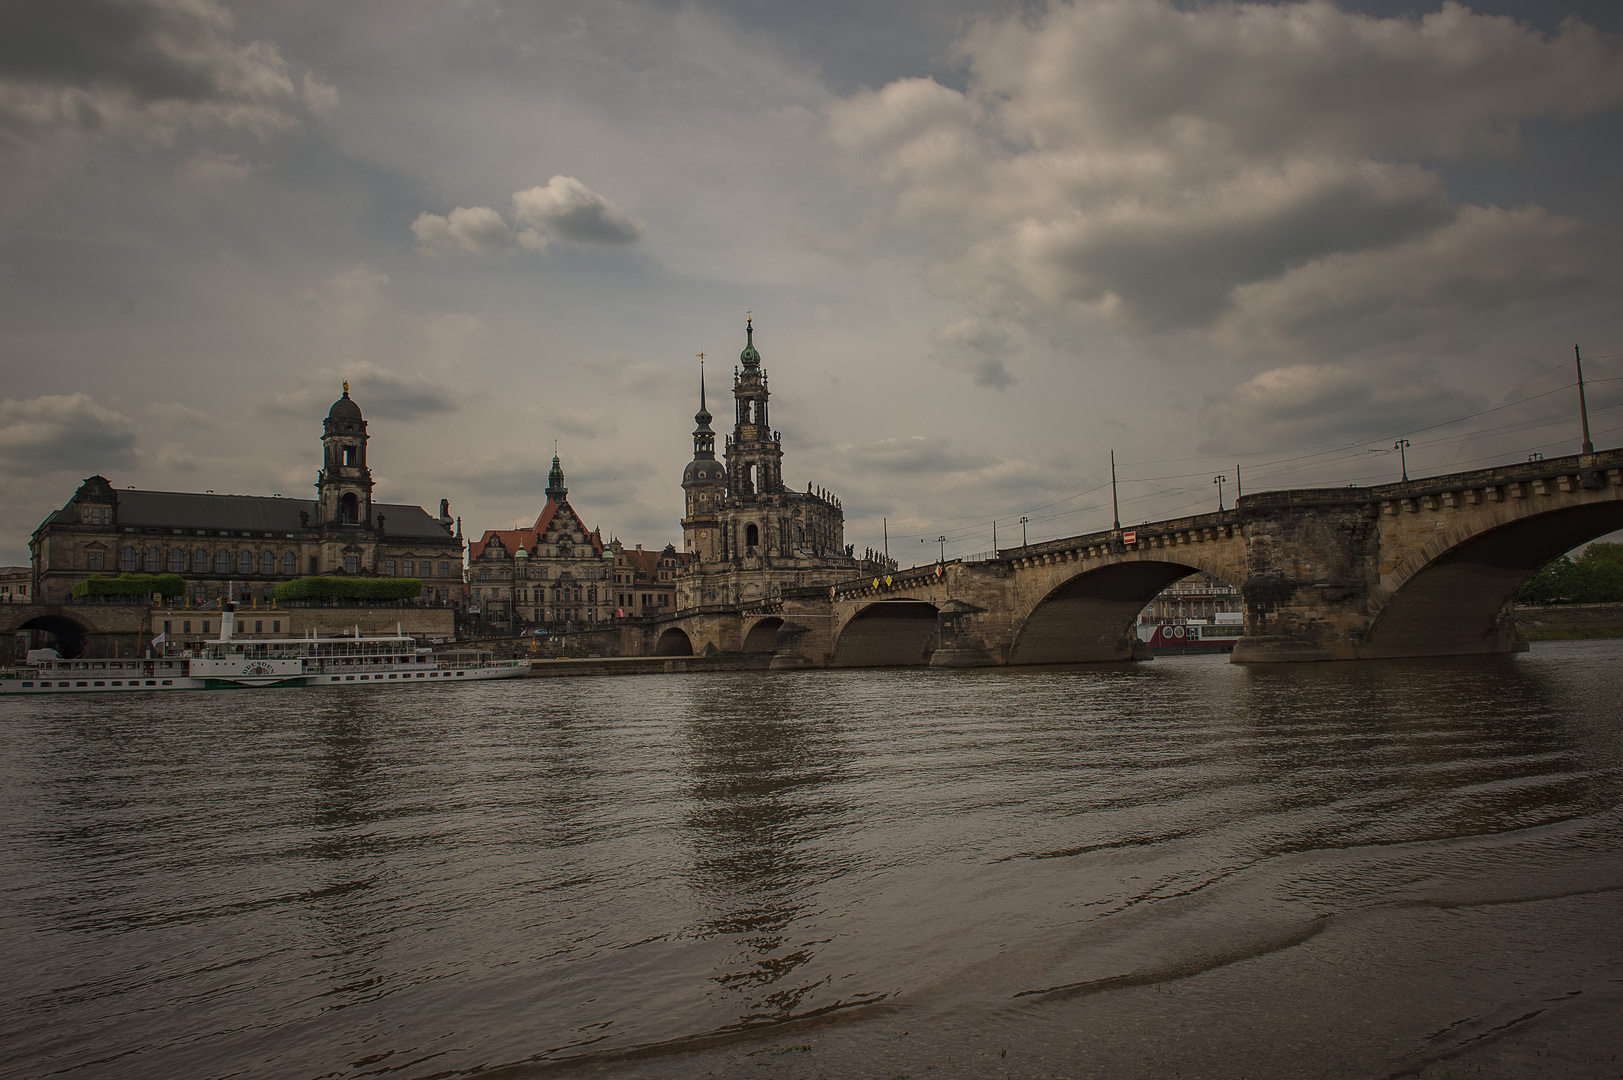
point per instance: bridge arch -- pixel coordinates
(763, 636)
(68, 635)
(1447, 597)
(674, 641)
(888, 633)
(1090, 616)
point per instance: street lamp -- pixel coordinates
(1402, 446)
(1023, 531)
(942, 540)
(1219, 479)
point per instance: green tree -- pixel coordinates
(1595, 577)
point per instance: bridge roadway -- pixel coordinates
(1425, 567)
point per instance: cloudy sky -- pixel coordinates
(985, 244)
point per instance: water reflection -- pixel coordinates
(341, 885)
(764, 795)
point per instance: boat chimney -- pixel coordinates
(228, 619)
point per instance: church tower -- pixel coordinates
(344, 487)
(704, 483)
(754, 450)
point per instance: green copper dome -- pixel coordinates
(750, 358)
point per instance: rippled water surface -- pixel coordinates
(430, 882)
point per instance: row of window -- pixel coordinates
(201, 561)
(408, 568)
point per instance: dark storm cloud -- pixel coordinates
(149, 65)
(66, 432)
(1138, 162)
(381, 394)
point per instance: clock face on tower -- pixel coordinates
(704, 535)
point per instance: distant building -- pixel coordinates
(748, 535)
(246, 544)
(1198, 596)
(16, 584)
(645, 581)
(554, 573)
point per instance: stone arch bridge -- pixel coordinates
(1426, 567)
(81, 629)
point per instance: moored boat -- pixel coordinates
(1189, 638)
(348, 660)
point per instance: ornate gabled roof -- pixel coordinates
(515, 539)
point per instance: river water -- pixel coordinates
(1180, 866)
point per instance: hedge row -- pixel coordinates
(338, 588)
(131, 585)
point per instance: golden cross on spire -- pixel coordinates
(346, 386)
(701, 358)
(749, 316)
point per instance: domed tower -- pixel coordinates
(704, 482)
(344, 488)
(754, 451)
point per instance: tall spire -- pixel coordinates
(750, 358)
(703, 416)
(555, 481)
(704, 439)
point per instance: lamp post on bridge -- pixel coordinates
(1219, 480)
(1402, 447)
(942, 540)
(1023, 531)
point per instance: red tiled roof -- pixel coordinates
(513, 539)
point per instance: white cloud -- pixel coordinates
(64, 432)
(478, 229)
(149, 68)
(567, 209)
(1161, 168)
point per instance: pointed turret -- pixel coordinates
(555, 482)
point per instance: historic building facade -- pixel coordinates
(554, 573)
(243, 545)
(747, 534)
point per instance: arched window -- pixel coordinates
(267, 563)
(154, 560)
(245, 561)
(349, 510)
(222, 562)
(290, 564)
(752, 535)
(126, 560)
(200, 561)
(177, 560)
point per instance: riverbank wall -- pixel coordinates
(1569, 622)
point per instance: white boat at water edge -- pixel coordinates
(351, 661)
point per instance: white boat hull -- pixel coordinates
(99, 682)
